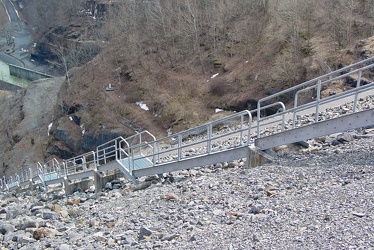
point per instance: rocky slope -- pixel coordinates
(319, 197)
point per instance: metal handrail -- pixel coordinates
(259, 119)
(108, 151)
(80, 163)
(332, 98)
(157, 151)
(328, 75)
(317, 84)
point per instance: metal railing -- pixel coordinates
(79, 163)
(120, 147)
(314, 90)
(178, 147)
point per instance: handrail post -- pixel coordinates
(180, 147)
(356, 93)
(116, 149)
(154, 153)
(17, 179)
(294, 112)
(258, 118)
(283, 115)
(131, 151)
(250, 120)
(318, 99)
(94, 160)
(209, 134)
(241, 130)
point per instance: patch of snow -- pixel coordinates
(83, 129)
(49, 127)
(246, 61)
(219, 110)
(142, 105)
(70, 118)
(214, 76)
(170, 131)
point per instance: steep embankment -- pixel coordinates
(24, 123)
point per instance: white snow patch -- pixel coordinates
(142, 105)
(49, 127)
(219, 110)
(70, 118)
(214, 76)
(83, 129)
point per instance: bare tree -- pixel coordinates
(7, 31)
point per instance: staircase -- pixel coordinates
(233, 137)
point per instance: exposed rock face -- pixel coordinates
(26, 124)
(70, 138)
(39, 128)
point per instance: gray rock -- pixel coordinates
(50, 215)
(6, 228)
(35, 209)
(11, 214)
(29, 224)
(144, 232)
(345, 137)
(357, 214)
(143, 185)
(23, 239)
(169, 237)
(64, 247)
(109, 186)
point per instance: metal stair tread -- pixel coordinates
(139, 161)
(50, 176)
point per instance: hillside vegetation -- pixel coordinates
(165, 54)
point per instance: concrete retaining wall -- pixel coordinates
(26, 73)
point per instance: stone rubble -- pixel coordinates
(320, 197)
